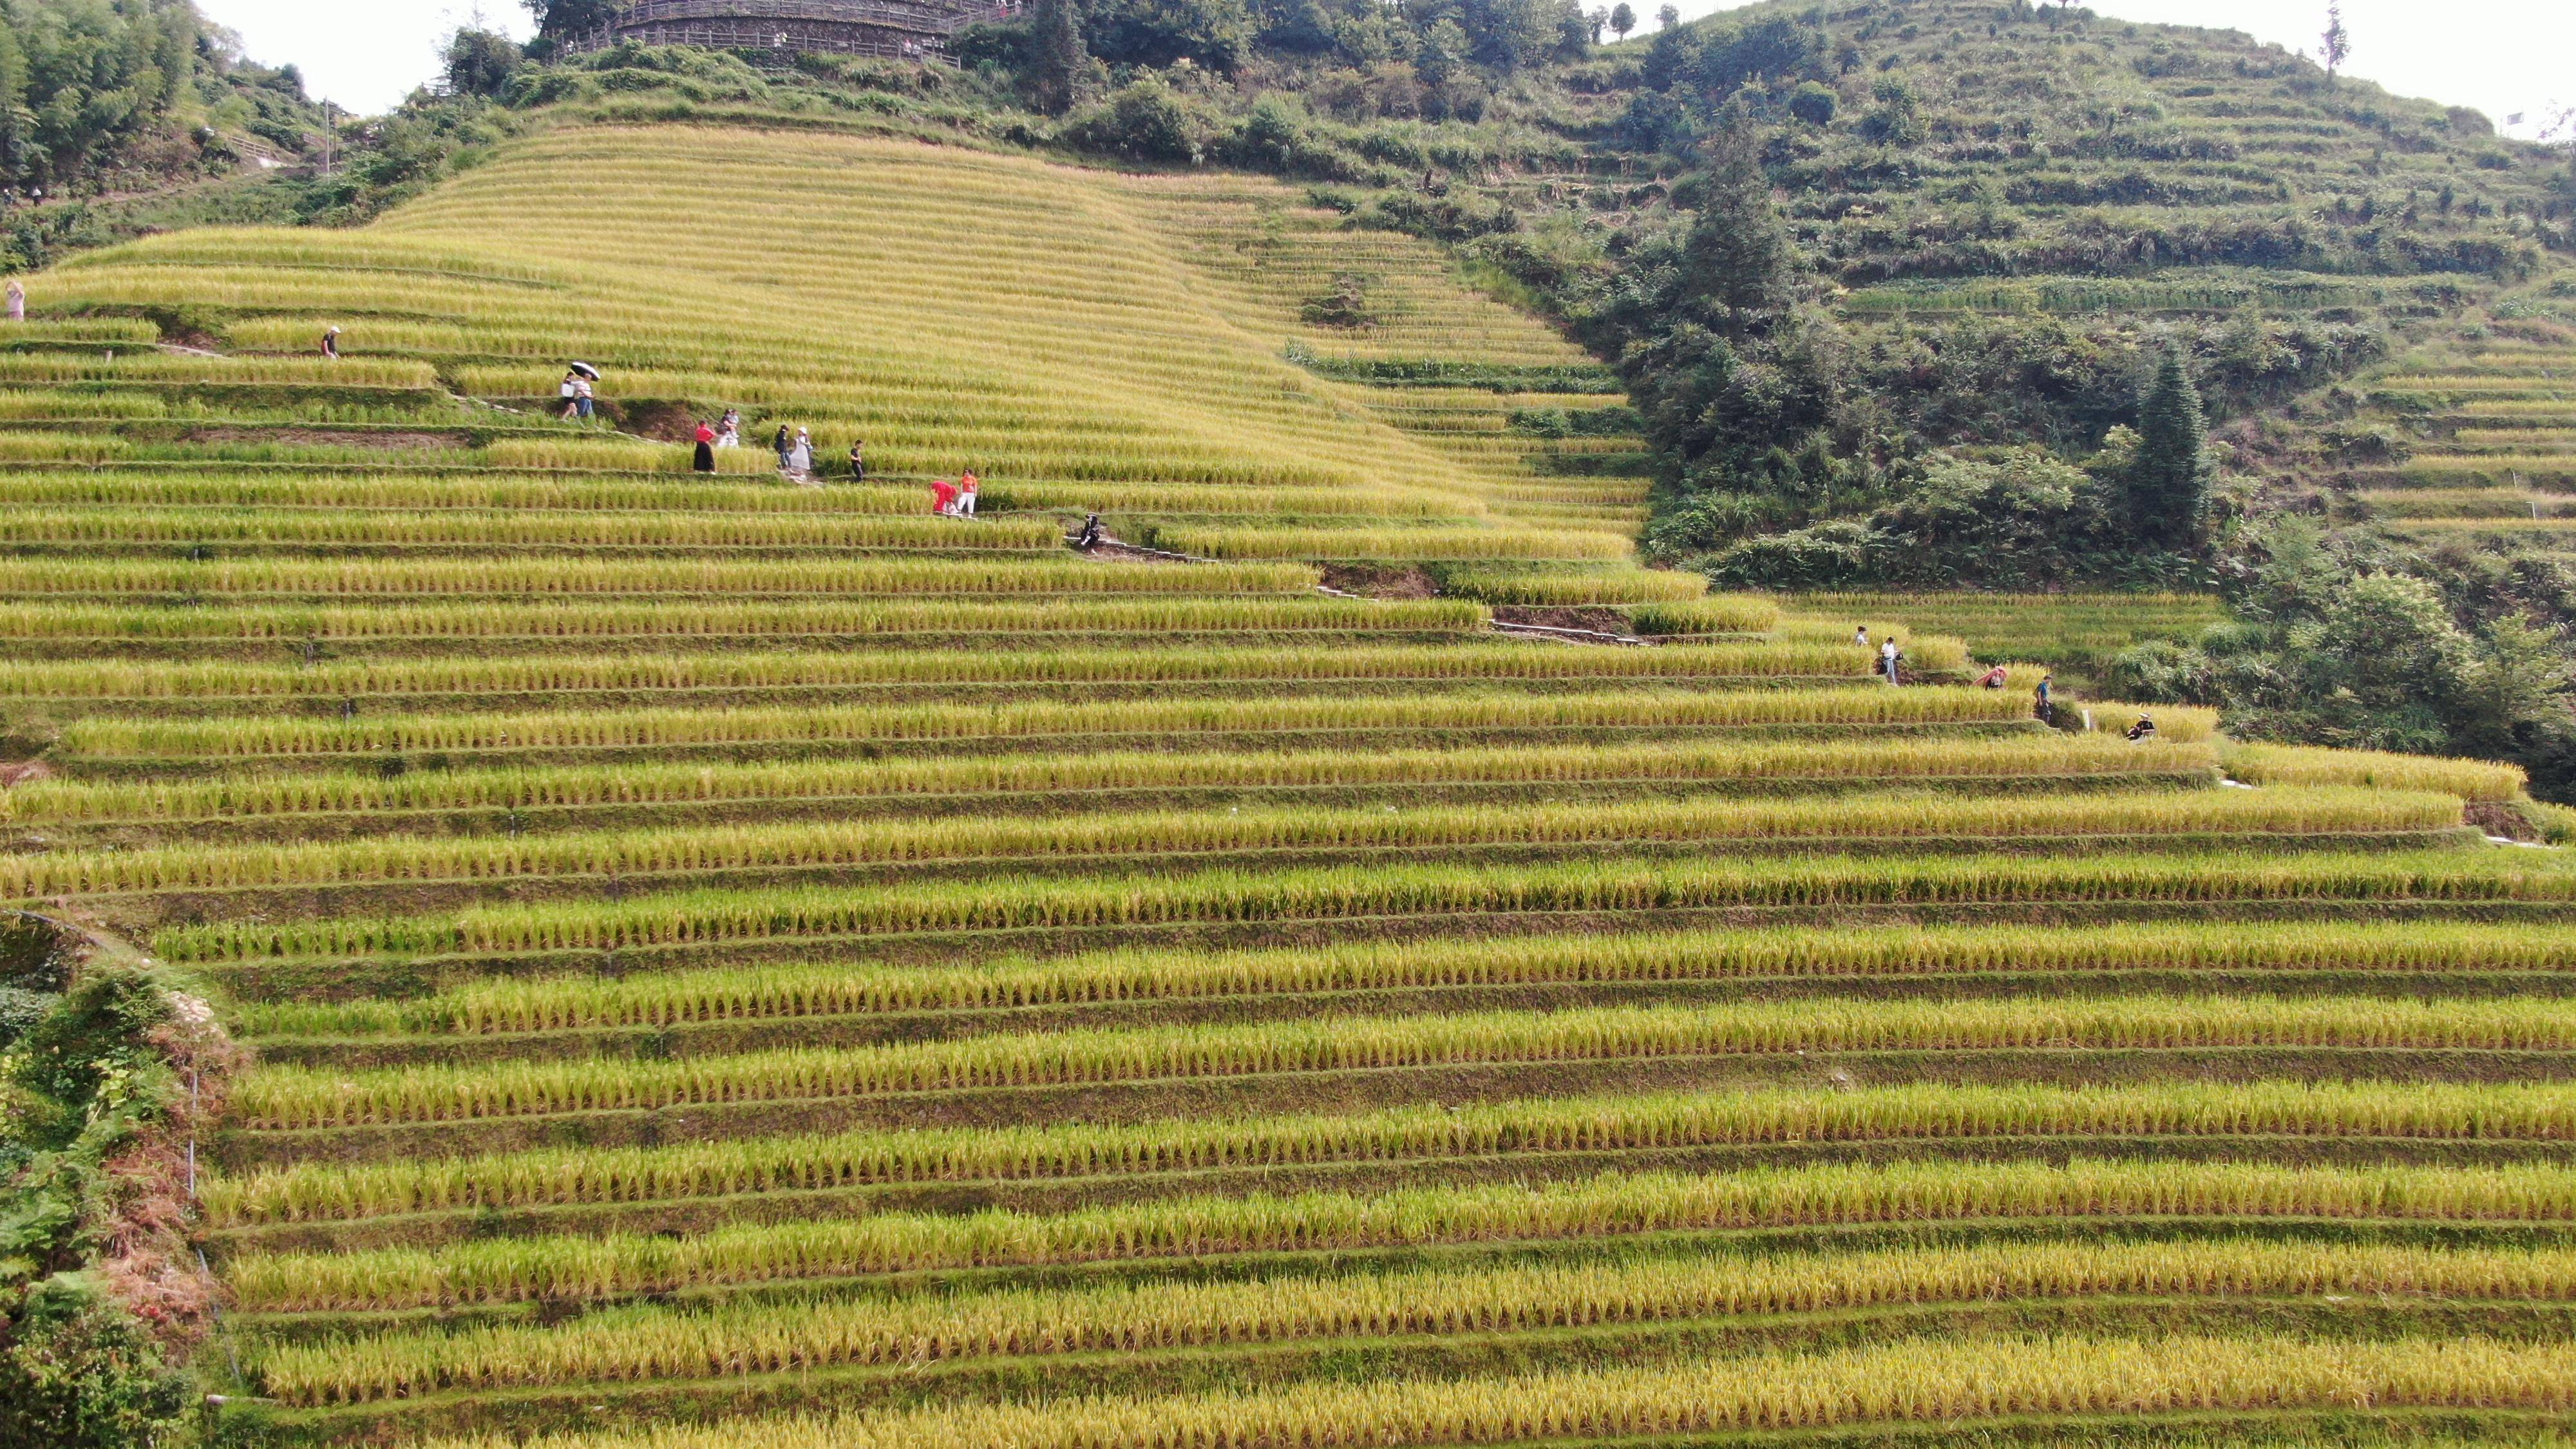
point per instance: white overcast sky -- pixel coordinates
(2501, 56)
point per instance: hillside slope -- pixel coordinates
(722, 953)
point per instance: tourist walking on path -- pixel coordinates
(1888, 654)
(966, 487)
(17, 300)
(706, 458)
(800, 455)
(859, 461)
(570, 392)
(783, 443)
(729, 432)
(2048, 699)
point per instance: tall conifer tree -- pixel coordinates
(2169, 480)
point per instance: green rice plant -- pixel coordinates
(1395, 544)
(2482, 780)
(1066, 777)
(1911, 1383)
(1530, 1129)
(1556, 587)
(556, 622)
(967, 839)
(655, 1342)
(252, 737)
(1826, 882)
(110, 680)
(521, 529)
(573, 1269)
(711, 579)
(295, 1098)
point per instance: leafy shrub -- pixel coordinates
(1814, 104)
(1145, 121)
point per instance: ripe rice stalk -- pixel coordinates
(1836, 882)
(300, 1098)
(95, 680)
(1395, 544)
(258, 736)
(163, 368)
(524, 529)
(679, 617)
(656, 1342)
(2020, 758)
(1557, 587)
(2482, 780)
(1910, 1383)
(708, 579)
(999, 839)
(587, 1268)
(562, 1177)
(512, 1005)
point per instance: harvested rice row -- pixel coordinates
(257, 736)
(961, 840)
(514, 1270)
(559, 1177)
(2031, 759)
(506, 1005)
(654, 1342)
(299, 1098)
(1840, 882)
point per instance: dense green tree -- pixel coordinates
(2169, 478)
(1055, 67)
(1623, 18)
(1216, 34)
(82, 79)
(559, 18)
(480, 63)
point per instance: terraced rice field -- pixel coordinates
(735, 964)
(2487, 428)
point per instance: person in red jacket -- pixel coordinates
(943, 498)
(706, 459)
